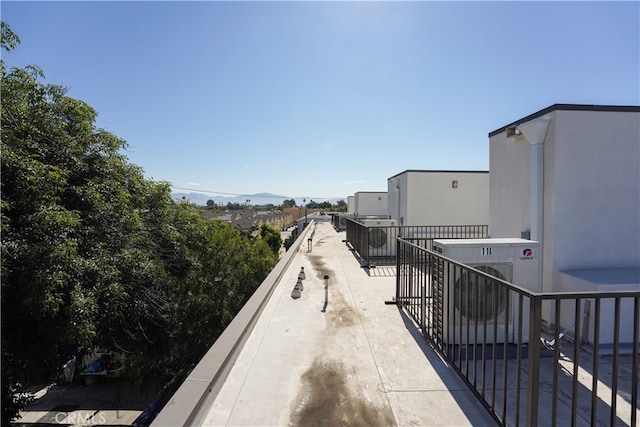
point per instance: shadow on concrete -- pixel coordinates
(440, 365)
(564, 399)
(373, 269)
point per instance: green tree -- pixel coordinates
(8, 39)
(272, 237)
(215, 270)
(95, 254)
(289, 203)
(61, 197)
(234, 206)
(289, 241)
(74, 250)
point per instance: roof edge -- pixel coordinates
(569, 107)
(437, 171)
(370, 192)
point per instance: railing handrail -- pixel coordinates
(358, 234)
(528, 292)
(206, 379)
(437, 293)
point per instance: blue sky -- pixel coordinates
(323, 99)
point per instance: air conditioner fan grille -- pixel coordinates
(377, 238)
(478, 299)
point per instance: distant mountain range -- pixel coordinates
(201, 199)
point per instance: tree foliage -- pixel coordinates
(289, 241)
(272, 237)
(8, 39)
(95, 254)
(289, 203)
(230, 206)
(341, 206)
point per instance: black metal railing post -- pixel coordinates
(634, 364)
(435, 291)
(399, 259)
(533, 371)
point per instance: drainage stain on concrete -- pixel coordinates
(326, 401)
(339, 314)
(320, 267)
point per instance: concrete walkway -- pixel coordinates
(355, 361)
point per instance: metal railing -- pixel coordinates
(339, 221)
(375, 244)
(524, 368)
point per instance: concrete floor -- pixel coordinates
(107, 402)
(349, 360)
(357, 361)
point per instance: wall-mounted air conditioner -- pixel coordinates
(471, 305)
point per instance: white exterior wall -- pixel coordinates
(428, 198)
(595, 190)
(591, 190)
(601, 279)
(370, 203)
(509, 183)
(397, 191)
(351, 204)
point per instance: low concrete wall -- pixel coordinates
(207, 378)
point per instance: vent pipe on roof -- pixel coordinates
(535, 133)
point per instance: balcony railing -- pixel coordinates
(504, 342)
(339, 221)
(375, 244)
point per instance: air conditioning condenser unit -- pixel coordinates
(382, 235)
(477, 310)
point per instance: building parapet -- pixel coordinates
(206, 379)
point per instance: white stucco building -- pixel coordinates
(351, 205)
(439, 197)
(371, 203)
(568, 176)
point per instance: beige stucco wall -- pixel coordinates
(428, 197)
(591, 190)
(371, 203)
(351, 204)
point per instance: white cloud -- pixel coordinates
(194, 183)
